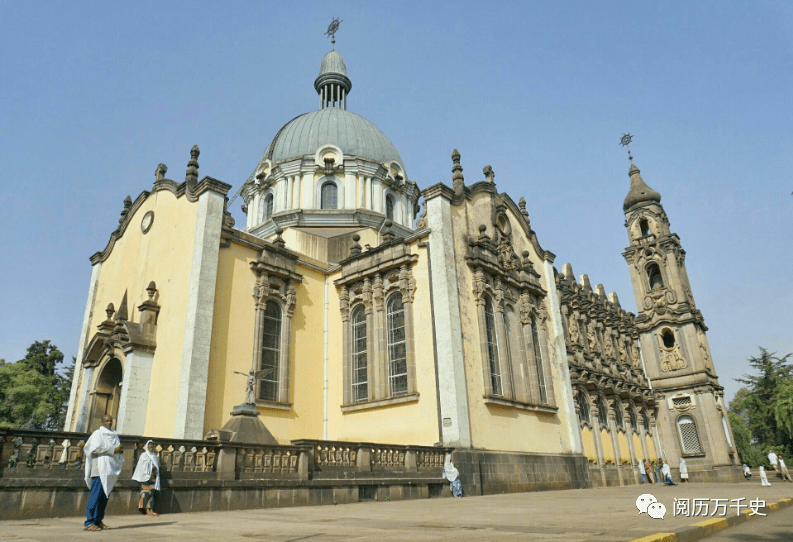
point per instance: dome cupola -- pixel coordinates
(639, 191)
(332, 83)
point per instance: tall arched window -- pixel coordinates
(645, 420)
(268, 207)
(397, 352)
(329, 196)
(583, 407)
(492, 348)
(654, 277)
(603, 417)
(535, 338)
(271, 352)
(389, 207)
(107, 394)
(632, 415)
(689, 437)
(359, 368)
(618, 417)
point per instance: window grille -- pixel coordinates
(535, 338)
(681, 401)
(271, 351)
(268, 207)
(397, 354)
(389, 207)
(492, 348)
(329, 196)
(603, 417)
(688, 435)
(359, 369)
(583, 407)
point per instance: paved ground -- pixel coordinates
(777, 527)
(606, 514)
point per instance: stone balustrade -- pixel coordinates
(370, 457)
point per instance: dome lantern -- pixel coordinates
(332, 83)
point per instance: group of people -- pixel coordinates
(777, 464)
(656, 472)
(103, 462)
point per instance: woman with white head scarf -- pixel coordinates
(763, 478)
(747, 472)
(453, 476)
(147, 472)
(683, 470)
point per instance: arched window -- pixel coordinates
(645, 227)
(618, 417)
(603, 418)
(689, 437)
(329, 197)
(668, 338)
(645, 420)
(654, 277)
(632, 415)
(359, 359)
(271, 352)
(583, 407)
(268, 207)
(397, 353)
(107, 394)
(492, 348)
(535, 338)
(389, 207)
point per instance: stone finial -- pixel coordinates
(585, 282)
(159, 173)
(523, 211)
(191, 177)
(398, 178)
(458, 180)
(526, 260)
(482, 235)
(279, 241)
(600, 290)
(110, 310)
(151, 289)
(567, 271)
(355, 250)
(121, 315)
(489, 175)
(388, 234)
(149, 309)
(125, 210)
(614, 299)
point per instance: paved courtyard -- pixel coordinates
(605, 514)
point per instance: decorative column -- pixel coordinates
(368, 194)
(407, 286)
(344, 308)
(373, 343)
(286, 334)
(596, 431)
(361, 192)
(505, 365)
(290, 185)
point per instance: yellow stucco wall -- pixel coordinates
(637, 445)
(135, 260)
(499, 427)
(625, 455)
(608, 448)
(588, 440)
(650, 448)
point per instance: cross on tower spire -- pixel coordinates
(333, 27)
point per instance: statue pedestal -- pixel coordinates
(245, 426)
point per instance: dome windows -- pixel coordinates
(389, 207)
(329, 196)
(268, 207)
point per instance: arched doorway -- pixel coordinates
(107, 393)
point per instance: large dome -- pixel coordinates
(352, 133)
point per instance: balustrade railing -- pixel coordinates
(32, 449)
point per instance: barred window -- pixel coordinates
(389, 207)
(397, 353)
(268, 207)
(689, 437)
(492, 348)
(603, 418)
(535, 338)
(329, 195)
(681, 401)
(583, 407)
(271, 352)
(359, 358)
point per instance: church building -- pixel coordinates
(366, 318)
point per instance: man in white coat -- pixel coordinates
(102, 452)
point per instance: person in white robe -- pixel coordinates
(103, 461)
(683, 470)
(763, 478)
(667, 474)
(453, 476)
(147, 473)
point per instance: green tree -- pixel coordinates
(32, 391)
(764, 407)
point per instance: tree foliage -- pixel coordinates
(33, 393)
(762, 411)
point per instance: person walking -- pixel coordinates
(667, 472)
(747, 472)
(103, 462)
(642, 472)
(683, 470)
(147, 473)
(783, 470)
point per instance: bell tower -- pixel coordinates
(692, 421)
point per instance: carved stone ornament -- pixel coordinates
(623, 352)
(575, 336)
(703, 348)
(671, 360)
(591, 335)
(635, 355)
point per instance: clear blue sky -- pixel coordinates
(94, 95)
